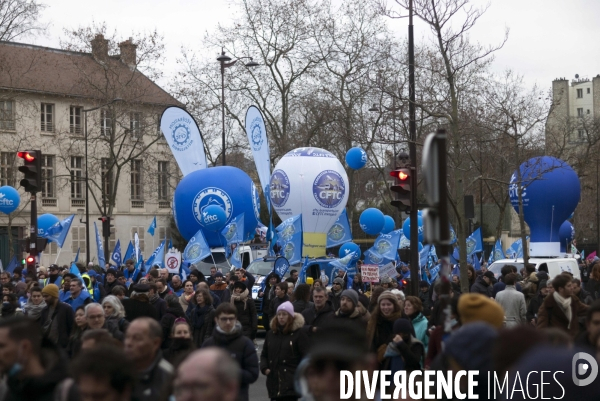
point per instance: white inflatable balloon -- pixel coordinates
(311, 182)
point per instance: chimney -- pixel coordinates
(100, 48)
(128, 53)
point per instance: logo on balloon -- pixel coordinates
(279, 188)
(255, 201)
(257, 136)
(312, 152)
(328, 189)
(336, 232)
(181, 136)
(207, 197)
(513, 191)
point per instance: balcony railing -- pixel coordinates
(77, 202)
(48, 202)
(137, 204)
(164, 204)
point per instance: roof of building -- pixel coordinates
(30, 68)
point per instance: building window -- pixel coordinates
(588, 111)
(107, 177)
(47, 117)
(140, 232)
(164, 232)
(136, 179)
(158, 130)
(7, 115)
(580, 133)
(75, 119)
(78, 240)
(135, 124)
(112, 239)
(163, 181)
(105, 123)
(579, 93)
(580, 112)
(7, 169)
(48, 176)
(76, 177)
(588, 91)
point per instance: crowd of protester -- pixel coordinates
(97, 334)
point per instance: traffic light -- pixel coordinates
(402, 188)
(30, 263)
(105, 226)
(32, 170)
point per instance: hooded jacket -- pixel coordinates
(481, 287)
(359, 318)
(317, 318)
(246, 313)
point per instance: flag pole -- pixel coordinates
(57, 255)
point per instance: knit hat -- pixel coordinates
(423, 284)
(352, 295)
(240, 285)
(388, 295)
(479, 308)
(111, 271)
(218, 274)
(51, 289)
(471, 346)
(339, 280)
(286, 307)
(92, 273)
(402, 326)
(386, 280)
(141, 288)
(119, 274)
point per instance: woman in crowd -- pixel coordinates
(285, 345)
(78, 328)
(301, 298)
(593, 284)
(10, 306)
(35, 304)
(357, 284)
(181, 343)
(269, 293)
(377, 291)
(246, 310)
(173, 312)
(188, 294)
(413, 308)
(201, 315)
(471, 275)
(115, 312)
(380, 326)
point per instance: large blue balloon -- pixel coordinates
(348, 248)
(566, 234)
(356, 158)
(372, 221)
(227, 187)
(389, 225)
(9, 199)
(213, 218)
(550, 192)
(406, 228)
(46, 221)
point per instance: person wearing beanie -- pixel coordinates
(53, 276)
(246, 309)
(267, 296)
(110, 280)
(480, 308)
(220, 287)
(57, 318)
(381, 321)
(483, 285)
(336, 292)
(286, 344)
(404, 352)
(352, 312)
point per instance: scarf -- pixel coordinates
(34, 311)
(565, 305)
(240, 297)
(154, 298)
(199, 314)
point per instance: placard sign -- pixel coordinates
(173, 260)
(388, 270)
(369, 273)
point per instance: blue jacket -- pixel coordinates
(82, 299)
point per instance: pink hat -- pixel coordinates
(286, 307)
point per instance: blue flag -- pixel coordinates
(152, 227)
(101, 260)
(497, 253)
(234, 234)
(515, 250)
(75, 270)
(116, 255)
(475, 242)
(170, 243)
(128, 253)
(434, 273)
(58, 232)
(289, 237)
(281, 266)
(158, 257)
(384, 249)
(77, 256)
(12, 265)
(339, 233)
(196, 249)
(302, 274)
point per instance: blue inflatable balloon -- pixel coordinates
(550, 193)
(566, 235)
(356, 158)
(372, 221)
(213, 218)
(406, 228)
(389, 225)
(9, 199)
(227, 187)
(46, 221)
(348, 248)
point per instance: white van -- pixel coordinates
(554, 266)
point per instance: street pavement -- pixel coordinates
(258, 389)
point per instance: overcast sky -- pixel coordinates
(548, 38)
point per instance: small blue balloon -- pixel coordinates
(356, 158)
(9, 199)
(46, 221)
(566, 234)
(406, 228)
(389, 225)
(372, 221)
(214, 218)
(348, 248)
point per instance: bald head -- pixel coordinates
(202, 284)
(212, 370)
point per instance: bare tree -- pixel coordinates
(20, 18)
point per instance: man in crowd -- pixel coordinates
(245, 277)
(294, 275)
(219, 287)
(53, 276)
(424, 297)
(94, 315)
(280, 297)
(65, 290)
(336, 293)
(562, 308)
(77, 295)
(153, 373)
(176, 285)
(57, 318)
(499, 286)
(138, 305)
(320, 313)
(512, 301)
(211, 279)
(164, 274)
(110, 280)
(351, 312)
(483, 285)
(162, 288)
(228, 335)
(156, 301)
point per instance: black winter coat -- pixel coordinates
(167, 324)
(481, 287)
(161, 307)
(314, 318)
(246, 315)
(534, 307)
(65, 318)
(135, 308)
(241, 348)
(300, 306)
(202, 322)
(281, 354)
(275, 302)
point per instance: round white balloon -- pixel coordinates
(311, 182)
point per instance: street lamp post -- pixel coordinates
(87, 184)
(226, 62)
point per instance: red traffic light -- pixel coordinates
(402, 174)
(26, 155)
(30, 259)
